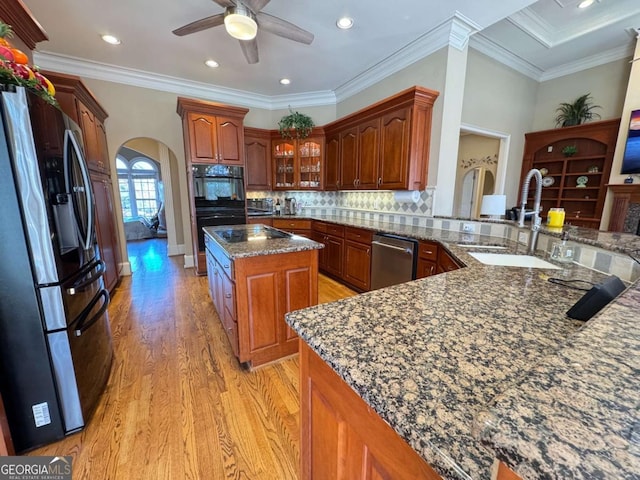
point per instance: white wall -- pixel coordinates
(500, 99)
(606, 83)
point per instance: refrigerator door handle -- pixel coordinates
(70, 140)
(81, 323)
(81, 284)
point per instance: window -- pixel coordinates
(138, 182)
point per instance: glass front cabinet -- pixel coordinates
(298, 164)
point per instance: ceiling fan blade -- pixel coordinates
(225, 3)
(199, 25)
(250, 50)
(284, 29)
(256, 5)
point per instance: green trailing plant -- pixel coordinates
(569, 150)
(295, 125)
(576, 113)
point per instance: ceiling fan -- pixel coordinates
(242, 20)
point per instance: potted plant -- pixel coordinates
(569, 150)
(295, 125)
(576, 113)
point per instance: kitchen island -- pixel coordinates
(428, 357)
(256, 275)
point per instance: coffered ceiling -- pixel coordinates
(541, 39)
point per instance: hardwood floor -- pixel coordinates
(178, 405)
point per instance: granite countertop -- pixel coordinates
(462, 338)
(577, 413)
(254, 244)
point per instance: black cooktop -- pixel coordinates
(250, 233)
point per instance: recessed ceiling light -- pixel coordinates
(212, 64)
(345, 23)
(285, 81)
(585, 3)
(111, 39)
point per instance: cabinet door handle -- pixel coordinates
(355, 182)
(228, 295)
(379, 180)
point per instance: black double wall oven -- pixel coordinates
(219, 197)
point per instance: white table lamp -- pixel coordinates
(493, 205)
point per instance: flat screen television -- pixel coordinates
(631, 159)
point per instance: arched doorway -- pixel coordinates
(148, 186)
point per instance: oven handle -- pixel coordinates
(82, 325)
(80, 285)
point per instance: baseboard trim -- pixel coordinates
(189, 262)
(124, 268)
(173, 250)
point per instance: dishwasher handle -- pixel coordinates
(408, 251)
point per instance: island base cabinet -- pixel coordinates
(267, 287)
(342, 438)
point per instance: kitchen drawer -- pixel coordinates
(226, 265)
(292, 223)
(320, 227)
(360, 235)
(428, 251)
(335, 230)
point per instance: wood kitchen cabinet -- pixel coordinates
(331, 236)
(213, 133)
(574, 182)
(298, 164)
(80, 105)
(332, 176)
(446, 263)
(252, 295)
(342, 437)
(427, 259)
(297, 226)
(105, 227)
(357, 258)
(386, 145)
(257, 149)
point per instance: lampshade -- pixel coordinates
(240, 23)
(494, 205)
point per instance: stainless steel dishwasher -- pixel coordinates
(393, 260)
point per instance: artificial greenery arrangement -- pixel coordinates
(295, 125)
(14, 69)
(569, 150)
(576, 113)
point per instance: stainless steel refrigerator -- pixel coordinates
(55, 340)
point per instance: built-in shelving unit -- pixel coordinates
(573, 181)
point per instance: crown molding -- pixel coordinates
(454, 31)
(551, 36)
(180, 86)
(491, 49)
(602, 58)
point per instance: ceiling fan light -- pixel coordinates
(240, 23)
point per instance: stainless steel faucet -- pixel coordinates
(535, 221)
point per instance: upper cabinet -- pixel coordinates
(213, 133)
(384, 146)
(575, 163)
(257, 150)
(80, 104)
(298, 164)
(332, 162)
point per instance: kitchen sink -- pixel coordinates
(508, 260)
(488, 247)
